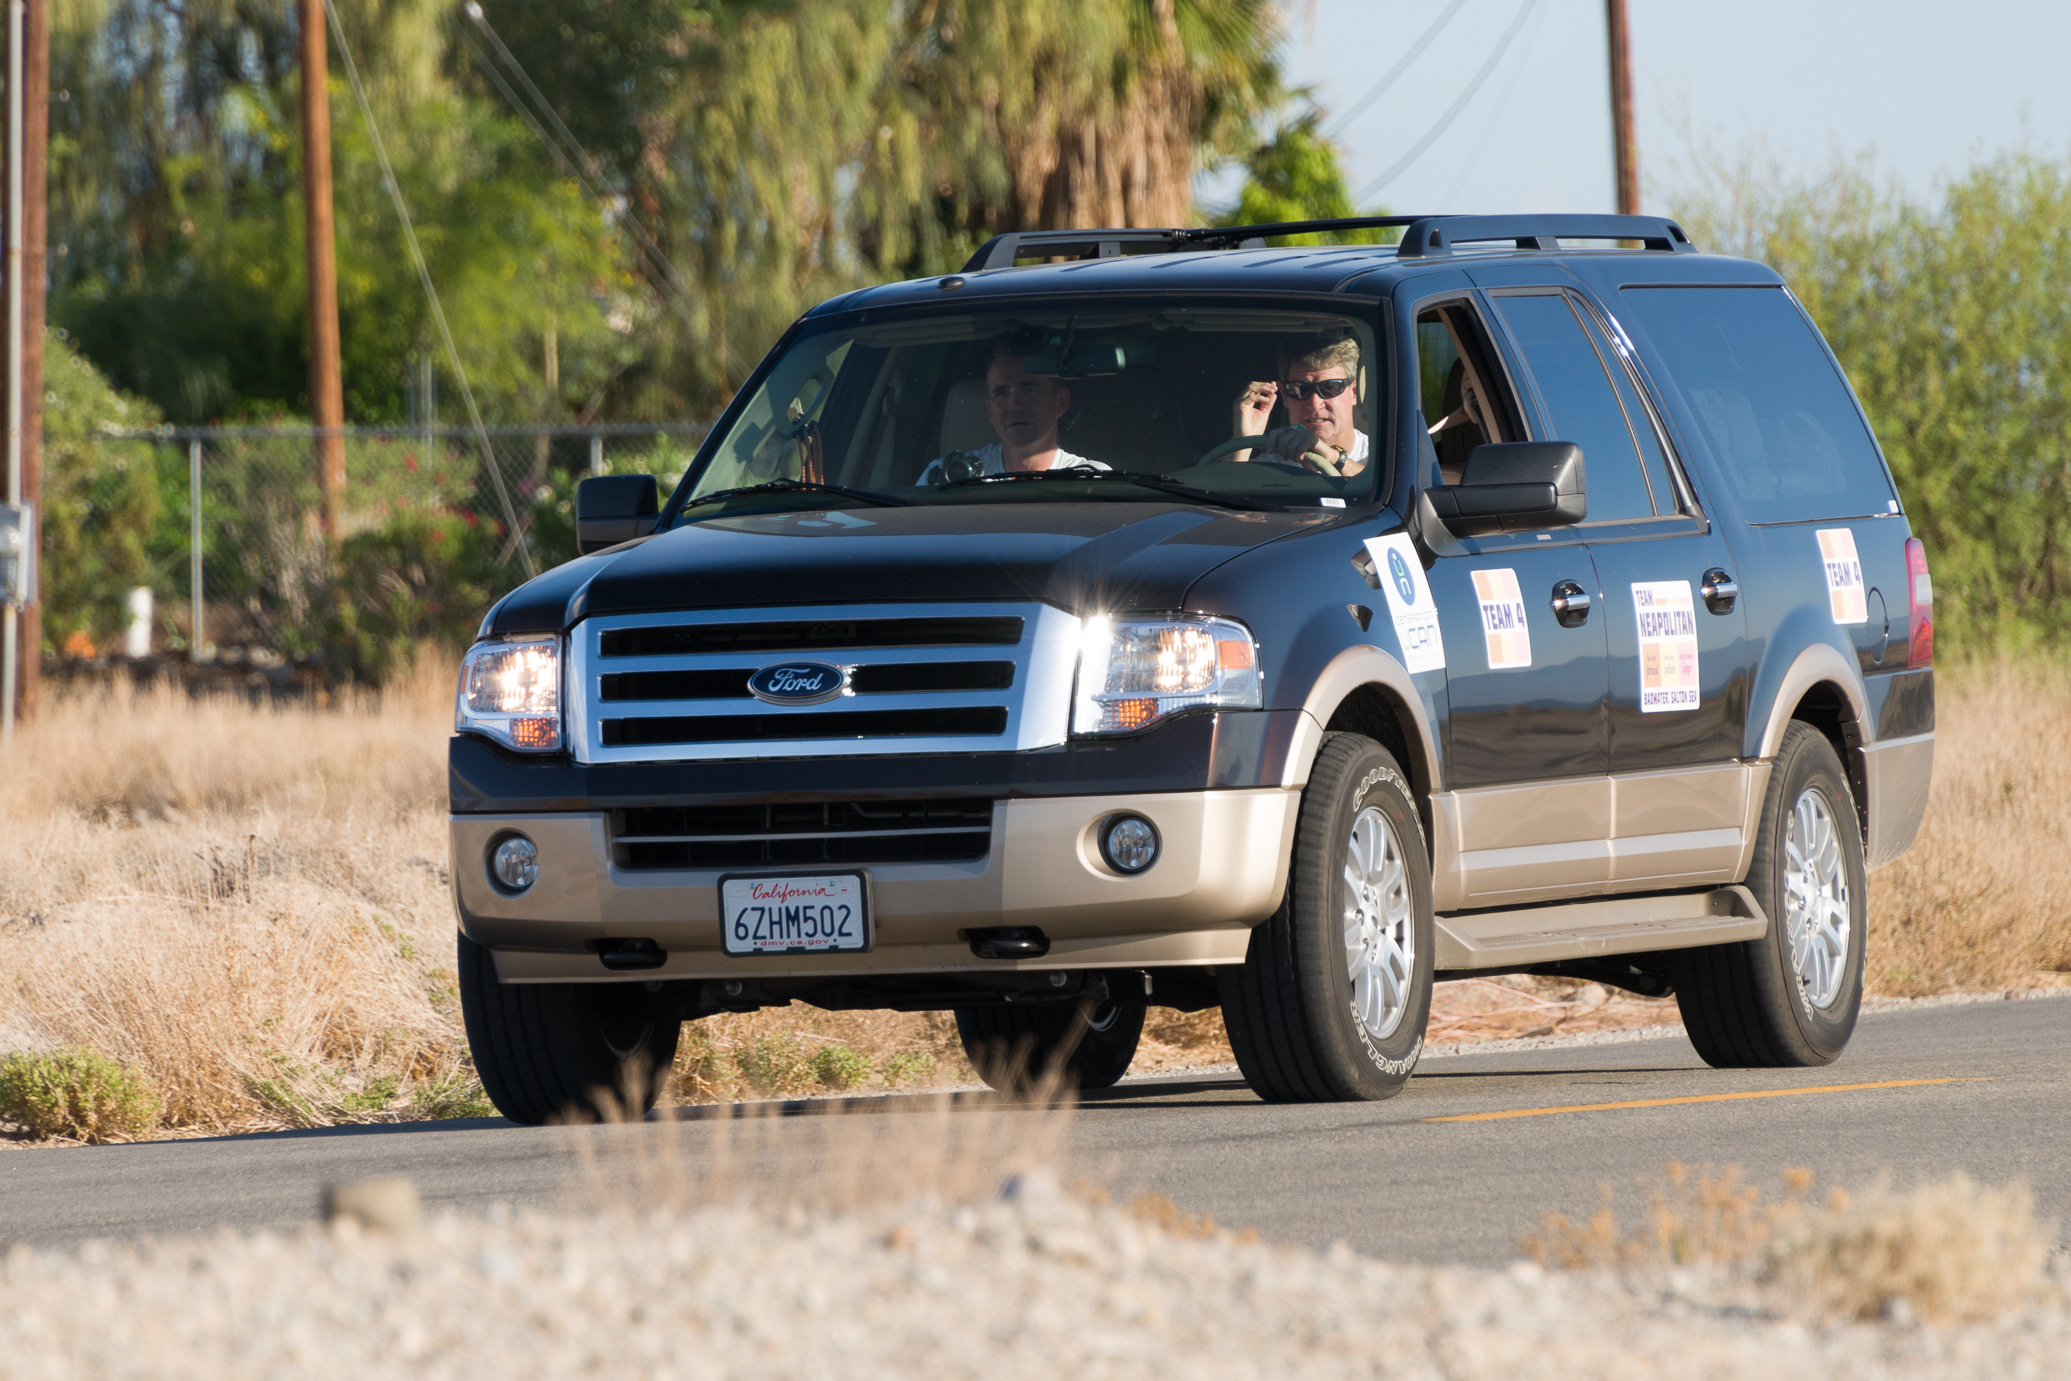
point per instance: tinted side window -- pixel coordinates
(1581, 404)
(1768, 400)
(1637, 414)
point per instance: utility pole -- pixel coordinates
(35, 237)
(326, 388)
(1625, 151)
(17, 523)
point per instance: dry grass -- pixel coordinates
(1983, 900)
(244, 906)
(247, 907)
(1948, 1251)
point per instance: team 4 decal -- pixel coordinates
(1409, 601)
(1844, 575)
(1668, 645)
(1503, 625)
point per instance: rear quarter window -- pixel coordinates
(1768, 399)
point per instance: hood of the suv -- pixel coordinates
(1077, 556)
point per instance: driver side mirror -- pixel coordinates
(1515, 486)
(610, 509)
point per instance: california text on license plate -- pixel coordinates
(812, 914)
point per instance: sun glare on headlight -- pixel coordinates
(511, 691)
(1135, 671)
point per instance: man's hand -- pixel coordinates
(1298, 444)
(1249, 413)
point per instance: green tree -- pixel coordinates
(100, 501)
(774, 152)
(787, 152)
(1296, 176)
(177, 207)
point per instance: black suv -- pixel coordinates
(1151, 617)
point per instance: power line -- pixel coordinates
(431, 294)
(1453, 112)
(568, 152)
(1524, 60)
(1388, 77)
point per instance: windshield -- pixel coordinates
(1234, 406)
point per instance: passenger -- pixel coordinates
(1024, 410)
(1319, 383)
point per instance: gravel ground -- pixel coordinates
(1035, 1283)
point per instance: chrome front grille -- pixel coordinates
(811, 832)
(916, 679)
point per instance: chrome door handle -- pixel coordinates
(1721, 592)
(1570, 604)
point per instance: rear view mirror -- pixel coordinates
(1079, 362)
(610, 509)
(1517, 486)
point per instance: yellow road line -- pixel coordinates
(1698, 1098)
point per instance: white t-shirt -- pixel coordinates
(994, 462)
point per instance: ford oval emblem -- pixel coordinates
(797, 683)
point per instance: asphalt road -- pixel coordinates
(1980, 1088)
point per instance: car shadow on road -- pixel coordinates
(451, 1124)
(1564, 1072)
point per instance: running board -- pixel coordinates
(1598, 926)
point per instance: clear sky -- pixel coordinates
(1927, 87)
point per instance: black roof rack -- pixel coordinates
(1423, 236)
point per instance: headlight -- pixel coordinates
(511, 691)
(1135, 671)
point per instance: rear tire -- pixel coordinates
(1790, 998)
(1334, 993)
(1090, 1045)
(572, 1052)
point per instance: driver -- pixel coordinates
(1319, 383)
(1024, 410)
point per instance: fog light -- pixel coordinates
(1129, 843)
(515, 863)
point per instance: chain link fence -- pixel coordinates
(436, 523)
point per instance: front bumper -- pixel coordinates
(1223, 870)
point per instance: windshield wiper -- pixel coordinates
(784, 486)
(1145, 481)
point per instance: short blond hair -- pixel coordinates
(1320, 352)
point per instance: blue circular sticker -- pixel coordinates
(1398, 571)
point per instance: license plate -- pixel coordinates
(814, 913)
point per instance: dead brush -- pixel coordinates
(1947, 1251)
(1978, 903)
(825, 1156)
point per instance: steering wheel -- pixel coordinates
(1275, 457)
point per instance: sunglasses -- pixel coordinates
(1303, 391)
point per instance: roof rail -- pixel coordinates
(1001, 251)
(1436, 235)
(1423, 236)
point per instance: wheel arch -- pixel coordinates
(1821, 689)
(1365, 691)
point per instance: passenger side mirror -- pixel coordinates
(1516, 486)
(610, 509)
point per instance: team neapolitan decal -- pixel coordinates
(1668, 645)
(1409, 601)
(1844, 575)
(1503, 624)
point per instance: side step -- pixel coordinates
(1598, 926)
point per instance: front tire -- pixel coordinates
(1334, 994)
(573, 1052)
(1090, 1046)
(1790, 998)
